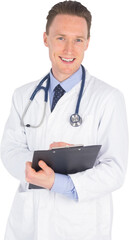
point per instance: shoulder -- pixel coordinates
(22, 94)
(27, 89)
(101, 90)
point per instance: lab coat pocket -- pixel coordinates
(73, 219)
(21, 218)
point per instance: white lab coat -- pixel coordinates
(42, 214)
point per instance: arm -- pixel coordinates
(16, 155)
(14, 148)
(46, 177)
(110, 171)
(63, 184)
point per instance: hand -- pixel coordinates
(59, 144)
(43, 178)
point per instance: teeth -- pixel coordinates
(67, 60)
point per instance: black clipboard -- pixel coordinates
(66, 160)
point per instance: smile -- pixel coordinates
(67, 60)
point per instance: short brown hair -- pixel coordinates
(71, 8)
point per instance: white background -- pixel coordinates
(24, 58)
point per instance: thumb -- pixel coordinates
(45, 167)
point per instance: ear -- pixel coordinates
(87, 43)
(45, 39)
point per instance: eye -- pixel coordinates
(78, 40)
(60, 38)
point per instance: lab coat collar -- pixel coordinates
(40, 96)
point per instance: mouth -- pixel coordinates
(67, 60)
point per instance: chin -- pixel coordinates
(70, 69)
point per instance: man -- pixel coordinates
(76, 206)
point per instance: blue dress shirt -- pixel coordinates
(63, 184)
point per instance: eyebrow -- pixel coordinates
(63, 35)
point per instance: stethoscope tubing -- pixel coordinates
(81, 91)
(46, 90)
(40, 87)
(25, 111)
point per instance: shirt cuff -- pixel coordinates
(63, 184)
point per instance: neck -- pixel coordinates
(61, 76)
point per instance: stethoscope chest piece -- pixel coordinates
(75, 120)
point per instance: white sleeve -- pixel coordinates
(14, 149)
(108, 175)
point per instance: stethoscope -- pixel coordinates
(75, 119)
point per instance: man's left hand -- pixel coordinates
(43, 178)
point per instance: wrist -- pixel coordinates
(52, 180)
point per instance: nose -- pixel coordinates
(68, 48)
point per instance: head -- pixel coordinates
(67, 37)
(73, 8)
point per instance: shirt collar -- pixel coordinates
(67, 84)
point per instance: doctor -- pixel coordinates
(77, 206)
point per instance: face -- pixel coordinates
(67, 41)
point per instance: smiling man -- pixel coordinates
(67, 40)
(75, 206)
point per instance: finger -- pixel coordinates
(52, 145)
(42, 164)
(28, 165)
(29, 171)
(45, 167)
(59, 144)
